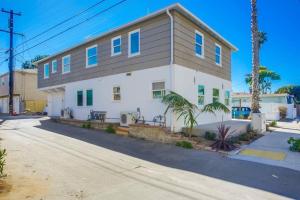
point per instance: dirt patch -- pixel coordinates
(22, 188)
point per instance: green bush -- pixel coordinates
(88, 124)
(83, 126)
(110, 129)
(295, 144)
(210, 136)
(245, 137)
(2, 161)
(184, 144)
(273, 124)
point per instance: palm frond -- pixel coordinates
(216, 106)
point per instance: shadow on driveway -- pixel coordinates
(277, 180)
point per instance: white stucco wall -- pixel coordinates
(136, 92)
(186, 84)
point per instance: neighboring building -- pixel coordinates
(26, 95)
(132, 67)
(269, 103)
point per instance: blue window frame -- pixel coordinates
(134, 43)
(199, 44)
(46, 70)
(218, 54)
(116, 44)
(91, 56)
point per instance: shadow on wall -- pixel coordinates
(210, 164)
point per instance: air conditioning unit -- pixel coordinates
(127, 118)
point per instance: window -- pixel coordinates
(116, 46)
(199, 44)
(89, 97)
(201, 94)
(218, 52)
(91, 56)
(158, 90)
(117, 93)
(216, 95)
(80, 98)
(66, 64)
(227, 98)
(46, 70)
(54, 66)
(134, 43)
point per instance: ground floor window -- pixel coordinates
(216, 95)
(227, 98)
(116, 93)
(158, 89)
(89, 97)
(201, 94)
(80, 98)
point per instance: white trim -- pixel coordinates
(63, 63)
(219, 64)
(46, 64)
(112, 46)
(129, 43)
(202, 46)
(86, 56)
(52, 71)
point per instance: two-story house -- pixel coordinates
(133, 66)
(26, 96)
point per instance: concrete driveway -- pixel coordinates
(47, 160)
(273, 149)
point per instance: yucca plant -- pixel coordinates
(189, 111)
(222, 142)
(2, 161)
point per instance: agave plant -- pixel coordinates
(223, 143)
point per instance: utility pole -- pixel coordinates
(11, 55)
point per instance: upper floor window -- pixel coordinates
(216, 95)
(134, 43)
(54, 66)
(116, 93)
(91, 56)
(218, 54)
(89, 97)
(227, 98)
(46, 70)
(116, 46)
(66, 64)
(201, 94)
(158, 89)
(199, 44)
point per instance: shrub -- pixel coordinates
(83, 126)
(295, 144)
(88, 124)
(245, 137)
(282, 112)
(210, 136)
(184, 144)
(223, 142)
(2, 161)
(273, 124)
(110, 129)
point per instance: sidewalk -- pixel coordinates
(272, 149)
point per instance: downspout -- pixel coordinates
(171, 67)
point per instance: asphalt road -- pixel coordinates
(77, 163)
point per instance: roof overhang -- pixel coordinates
(178, 7)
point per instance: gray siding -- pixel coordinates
(184, 54)
(155, 51)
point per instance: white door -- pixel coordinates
(55, 104)
(17, 104)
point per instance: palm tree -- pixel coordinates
(189, 111)
(265, 78)
(255, 59)
(262, 38)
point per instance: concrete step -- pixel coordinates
(122, 130)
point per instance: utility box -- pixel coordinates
(259, 122)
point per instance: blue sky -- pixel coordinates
(231, 18)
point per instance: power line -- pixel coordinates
(72, 27)
(62, 22)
